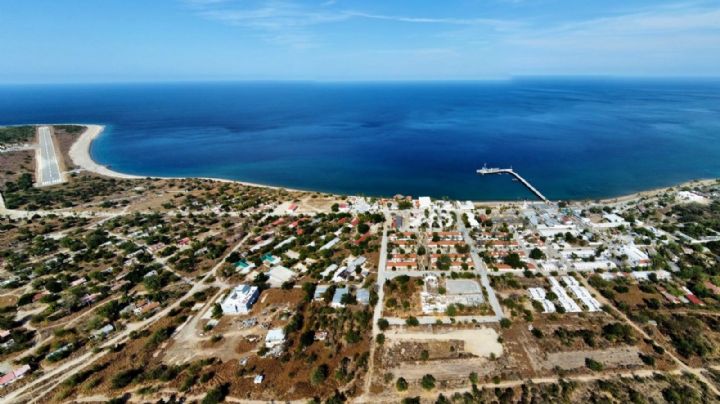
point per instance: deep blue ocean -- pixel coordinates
(572, 139)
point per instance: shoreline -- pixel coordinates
(80, 155)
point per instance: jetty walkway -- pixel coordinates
(512, 172)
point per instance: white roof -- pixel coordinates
(274, 335)
(279, 275)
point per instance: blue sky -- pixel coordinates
(141, 40)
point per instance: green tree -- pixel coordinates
(401, 384)
(537, 254)
(383, 324)
(428, 382)
(319, 374)
(217, 311)
(474, 378)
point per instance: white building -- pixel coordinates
(240, 299)
(635, 256)
(279, 275)
(274, 337)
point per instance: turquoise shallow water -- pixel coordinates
(571, 139)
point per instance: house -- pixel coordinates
(104, 331)
(275, 337)
(150, 274)
(330, 244)
(338, 297)
(363, 296)
(156, 247)
(635, 256)
(88, 299)
(320, 291)
(279, 275)
(329, 270)
(77, 282)
(362, 238)
(357, 262)
(258, 379)
(14, 375)
(292, 208)
(340, 275)
(240, 300)
(145, 308)
(244, 267)
(711, 287)
(270, 259)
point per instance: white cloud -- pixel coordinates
(652, 34)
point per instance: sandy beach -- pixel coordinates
(80, 154)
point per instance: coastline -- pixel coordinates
(80, 156)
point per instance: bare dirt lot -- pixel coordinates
(612, 357)
(481, 342)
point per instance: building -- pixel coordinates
(240, 299)
(104, 331)
(320, 291)
(363, 296)
(244, 267)
(270, 259)
(279, 275)
(330, 244)
(338, 297)
(635, 256)
(274, 337)
(424, 202)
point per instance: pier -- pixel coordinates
(512, 172)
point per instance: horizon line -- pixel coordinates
(559, 77)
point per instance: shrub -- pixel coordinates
(428, 382)
(319, 374)
(401, 384)
(593, 364)
(383, 324)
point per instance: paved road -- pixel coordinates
(48, 165)
(481, 269)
